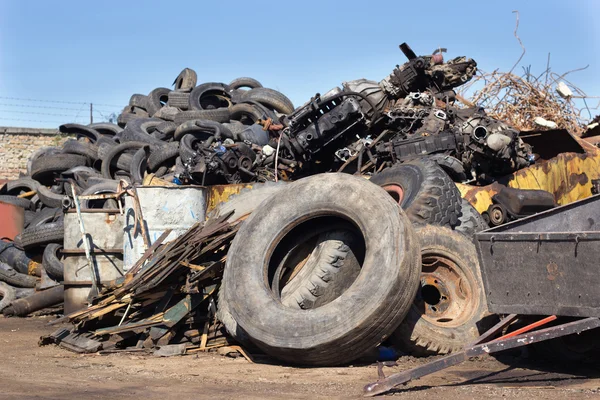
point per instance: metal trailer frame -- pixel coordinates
(546, 264)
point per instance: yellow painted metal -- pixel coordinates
(567, 176)
(153, 180)
(220, 193)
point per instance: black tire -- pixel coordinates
(139, 164)
(43, 169)
(370, 309)
(41, 235)
(127, 116)
(41, 152)
(166, 129)
(46, 216)
(12, 277)
(218, 115)
(81, 131)
(16, 258)
(186, 80)
(156, 100)
(244, 82)
(123, 160)
(110, 161)
(246, 110)
(89, 150)
(108, 186)
(139, 100)
(470, 222)
(106, 129)
(270, 98)
(49, 198)
(19, 186)
(8, 295)
(179, 99)
(211, 95)
(17, 201)
(52, 263)
(140, 130)
(424, 191)
(333, 264)
(451, 165)
(159, 155)
(450, 309)
(166, 113)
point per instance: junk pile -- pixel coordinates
(309, 263)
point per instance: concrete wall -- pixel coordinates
(17, 144)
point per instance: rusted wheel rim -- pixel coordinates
(395, 191)
(447, 296)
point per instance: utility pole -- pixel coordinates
(91, 113)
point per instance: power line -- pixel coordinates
(28, 120)
(55, 101)
(28, 106)
(36, 113)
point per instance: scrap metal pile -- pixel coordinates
(313, 275)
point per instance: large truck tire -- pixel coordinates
(363, 315)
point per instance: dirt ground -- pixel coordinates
(29, 371)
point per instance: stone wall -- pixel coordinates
(17, 144)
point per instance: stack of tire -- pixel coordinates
(329, 267)
(151, 137)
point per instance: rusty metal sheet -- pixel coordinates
(567, 176)
(12, 218)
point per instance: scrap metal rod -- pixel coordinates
(387, 384)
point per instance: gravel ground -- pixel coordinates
(29, 371)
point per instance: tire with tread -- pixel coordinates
(428, 194)
(371, 308)
(424, 335)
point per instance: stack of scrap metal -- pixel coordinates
(164, 304)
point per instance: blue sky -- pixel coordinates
(102, 52)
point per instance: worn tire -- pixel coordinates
(16, 258)
(46, 216)
(139, 130)
(470, 222)
(450, 309)
(9, 275)
(270, 98)
(244, 82)
(451, 165)
(17, 201)
(139, 164)
(138, 100)
(179, 99)
(250, 111)
(19, 186)
(44, 168)
(111, 158)
(8, 295)
(424, 190)
(108, 186)
(80, 131)
(186, 80)
(106, 128)
(209, 89)
(218, 115)
(161, 154)
(49, 198)
(156, 100)
(87, 149)
(52, 263)
(361, 317)
(41, 235)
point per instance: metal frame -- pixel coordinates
(515, 339)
